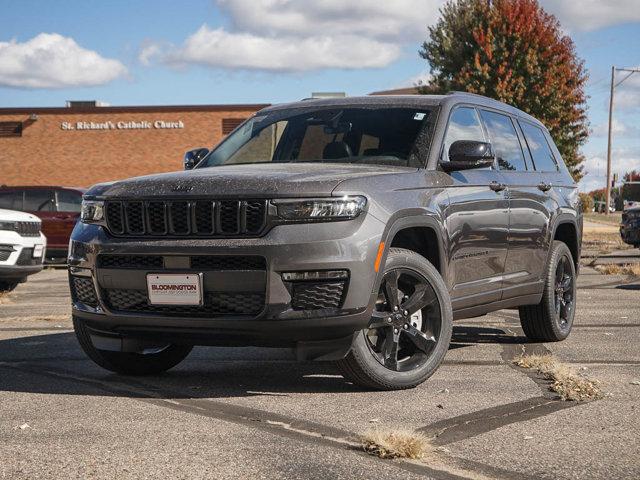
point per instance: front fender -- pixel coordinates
(411, 219)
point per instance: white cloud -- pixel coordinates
(298, 36)
(395, 21)
(220, 48)
(586, 15)
(50, 60)
(303, 35)
(623, 160)
(619, 129)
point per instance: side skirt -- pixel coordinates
(512, 302)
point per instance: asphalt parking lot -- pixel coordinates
(256, 413)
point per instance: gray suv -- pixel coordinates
(353, 230)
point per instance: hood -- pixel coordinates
(15, 216)
(251, 180)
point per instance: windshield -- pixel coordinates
(382, 136)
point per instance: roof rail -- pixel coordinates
(458, 92)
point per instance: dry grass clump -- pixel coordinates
(629, 269)
(565, 381)
(4, 297)
(395, 444)
(604, 242)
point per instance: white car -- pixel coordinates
(22, 247)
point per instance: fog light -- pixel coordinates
(314, 275)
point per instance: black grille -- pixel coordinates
(317, 296)
(198, 262)
(83, 291)
(130, 261)
(255, 216)
(215, 304)
(28, 229)
(204, 216)
(135, 218)
(157, 216)
(229, 217)
(211, 262)
(115, 217)
(26, 258)
(5, 252)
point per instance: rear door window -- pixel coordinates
(543, 158)
(38, 200)
(69, 201)
(11, 200)
(504, 141)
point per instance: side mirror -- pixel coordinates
(193, 157)
(468, 154)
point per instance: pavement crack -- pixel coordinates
(482, 421)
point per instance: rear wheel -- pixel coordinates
(410, 330)
(151, 361)
(552, 318)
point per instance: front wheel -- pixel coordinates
(410, 330)
(152, 361)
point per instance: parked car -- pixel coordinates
(349, 229)
(630, 226)
(22, 248)
(57, 207)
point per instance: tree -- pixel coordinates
(513, 51)
(587, 202)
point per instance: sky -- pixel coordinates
(167, 52)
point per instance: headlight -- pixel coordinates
(12, 226)
(92, 211)
(319, 209)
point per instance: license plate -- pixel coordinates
(37, 251)
(174, 289)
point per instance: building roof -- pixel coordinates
(135, 109)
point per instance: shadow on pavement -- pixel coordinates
(55, 364)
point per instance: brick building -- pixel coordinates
(85, 143)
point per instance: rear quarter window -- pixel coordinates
(543, 158)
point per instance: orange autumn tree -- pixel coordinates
(513, 51)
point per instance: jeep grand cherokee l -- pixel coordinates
(352, 230)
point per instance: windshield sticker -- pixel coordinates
(419, 116)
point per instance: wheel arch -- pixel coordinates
(566, 230)
(420, 233)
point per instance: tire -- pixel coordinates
(128, 363)
(551, 320)
(7, 286)
(365, 366)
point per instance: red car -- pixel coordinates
(58, 207)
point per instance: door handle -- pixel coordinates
(497, 186)
(544, 186)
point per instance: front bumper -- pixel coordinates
(630, 233)
(350, 246)
(16, 255)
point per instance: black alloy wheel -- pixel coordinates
(406, 322)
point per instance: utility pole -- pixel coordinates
(613, 87)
